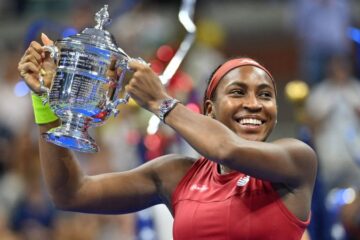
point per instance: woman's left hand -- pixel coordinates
(145, 87)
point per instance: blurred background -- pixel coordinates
(312, 47)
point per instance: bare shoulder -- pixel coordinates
(301, 154)
(171, 168)
(173, 163)
(297, 148)
(168, 171)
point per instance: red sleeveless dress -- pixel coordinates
(208, 205)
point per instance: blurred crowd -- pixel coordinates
(325, 105)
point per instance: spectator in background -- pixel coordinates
(321, 29)
(334, 112)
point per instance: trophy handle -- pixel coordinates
(53, 50)
(54, 53)
(44, 90)
(112, 106)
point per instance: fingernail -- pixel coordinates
(42, 72)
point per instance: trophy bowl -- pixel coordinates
(82, 94)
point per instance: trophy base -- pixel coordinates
(72, 134)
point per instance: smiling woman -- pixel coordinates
(231, 192)
(243, 81)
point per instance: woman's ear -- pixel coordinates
(209, 109)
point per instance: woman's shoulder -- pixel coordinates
(171, 167)
(302, 154)
(168, 170)
(297, 148)
(294, 143)
(174, 162)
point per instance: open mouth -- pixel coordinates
(251, 122)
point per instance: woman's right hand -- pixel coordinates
(34, 59)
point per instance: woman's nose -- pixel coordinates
(251, 103)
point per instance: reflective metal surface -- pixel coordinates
(82, 94)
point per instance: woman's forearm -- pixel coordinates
(211, 138)
(62, 172)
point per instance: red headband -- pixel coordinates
(227, 67)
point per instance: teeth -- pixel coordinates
(251, 121)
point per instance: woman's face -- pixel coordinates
(245, 102)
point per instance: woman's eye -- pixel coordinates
(265, 95)
(237, 92)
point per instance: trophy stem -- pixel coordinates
(72, 133)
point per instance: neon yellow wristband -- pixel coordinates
(43, 113)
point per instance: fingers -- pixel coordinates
(34, 50)
(31, 60)
(111, 73)
(32, 56)
(141, 70)
(137, 65)
(112, 64)
(28, 68)
(30, 65)
(46, 40)
(36, 46)
(30, 73)
(143, 78)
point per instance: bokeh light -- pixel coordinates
(165, 53)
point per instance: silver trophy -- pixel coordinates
(82, 95)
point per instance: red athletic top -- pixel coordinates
(208, 205)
